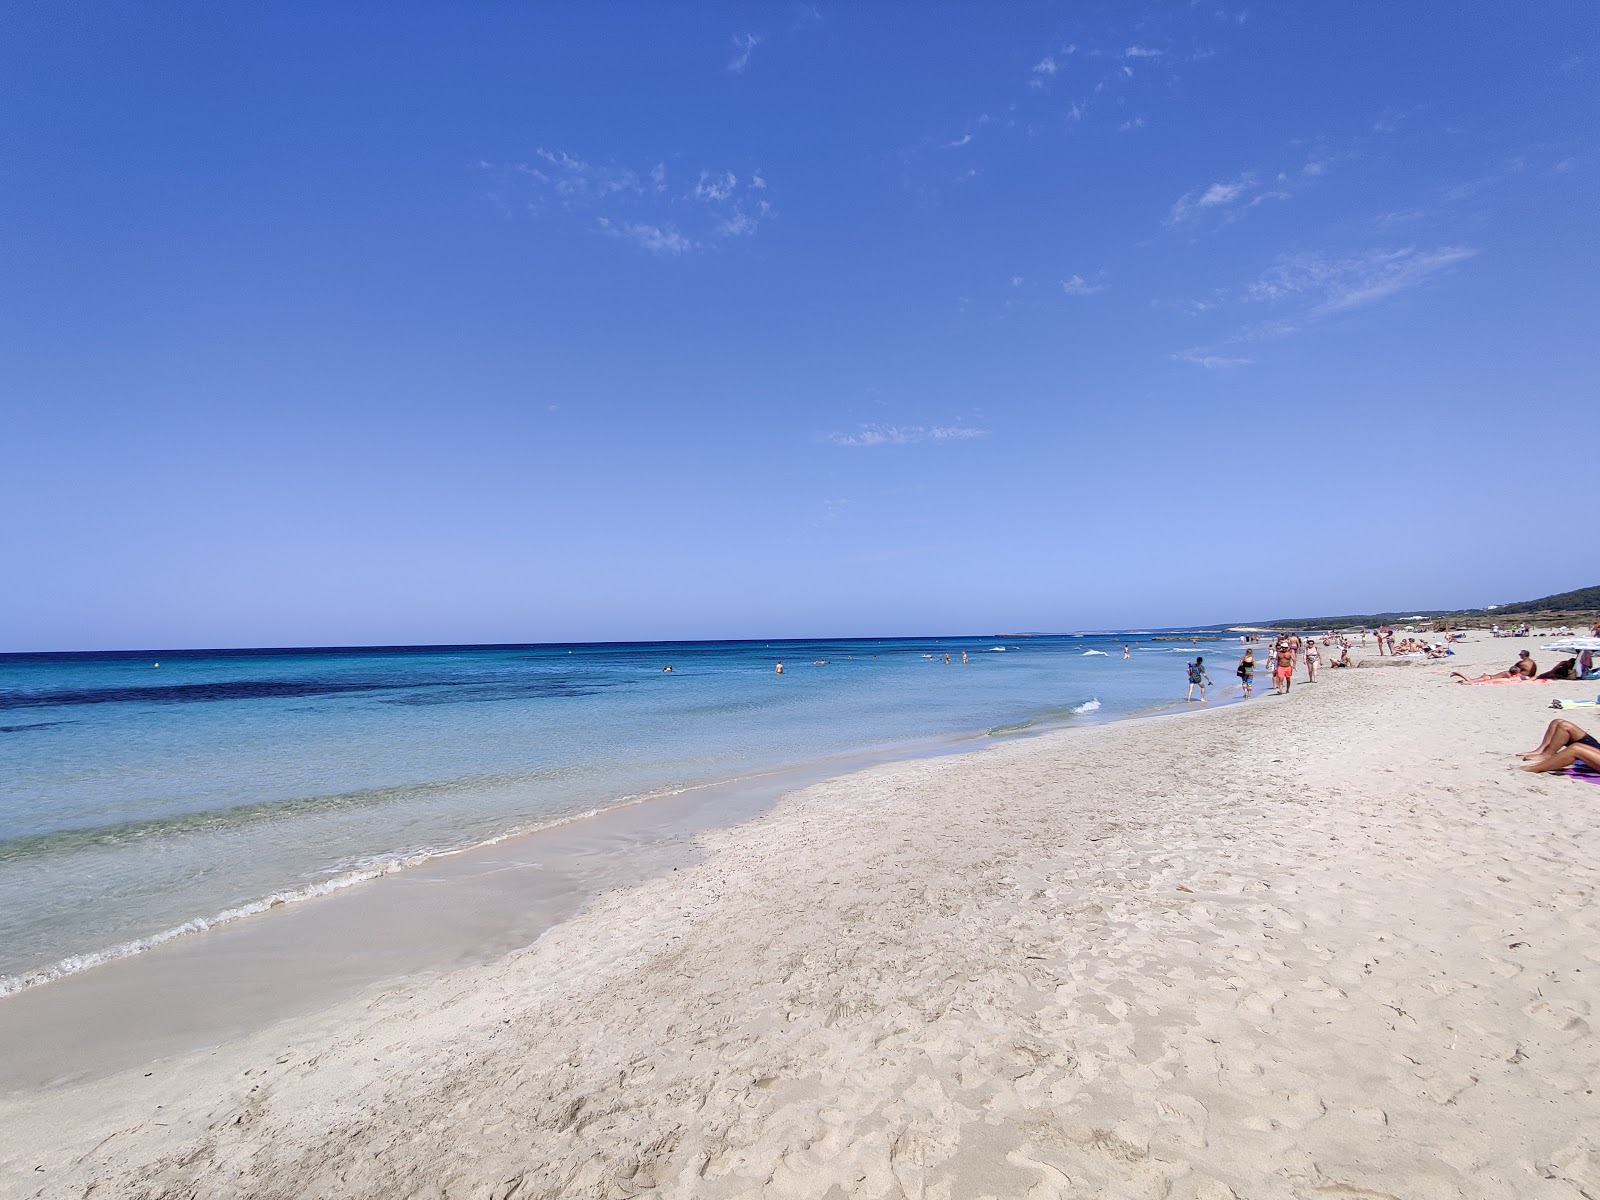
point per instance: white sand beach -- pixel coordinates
(1332, 945)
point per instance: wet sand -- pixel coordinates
(476, 906)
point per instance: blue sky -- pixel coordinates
(514, 322)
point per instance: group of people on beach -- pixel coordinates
(1285, 657)
(1579, 666)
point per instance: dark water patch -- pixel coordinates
(192, 693)
(34, 725)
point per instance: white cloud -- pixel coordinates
(1046, 65)
(1223, 193)
(904, 435)
(1135, 123)
(644, 207)
(1142, 52)
(655, 238)
(578, 180)
(1329, 285)
(1077, 285)
(743, 45)
(959, 142)
(738, 225)
(1211, 362)
(715, 187)
(1197, 201)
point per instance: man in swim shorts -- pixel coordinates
(1523, 668)
(1283, 673)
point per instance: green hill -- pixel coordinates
(1584, 602)
(1580, 600)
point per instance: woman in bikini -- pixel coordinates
(1564, 744)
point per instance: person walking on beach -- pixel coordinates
(1198, 678)
(1125, 654)
(1283, 673)
(1246, 671)
(1313, 656)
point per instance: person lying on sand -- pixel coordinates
(1558, 735)
(1585, 750)
(1567, 668)
(1523, 668)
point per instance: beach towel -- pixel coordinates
(1585, 773)
(1575, 704)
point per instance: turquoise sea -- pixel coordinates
(148, 795)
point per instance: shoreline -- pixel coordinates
(1305, 946)
(356, 869)
(228, 967)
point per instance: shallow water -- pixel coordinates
(142, 801)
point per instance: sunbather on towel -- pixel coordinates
(1567, 668)
(1558, 735)
(1572, 752)
(1523, 668)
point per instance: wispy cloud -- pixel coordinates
(1305, 289)
(1217, 196)
(655, 238)
(1077, 285)
(1142, 52)
(1049, 66)
(744, 45)
(646, 207)
(904, 435)
(1210, 361)
(715, 187)
(1327, 285)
